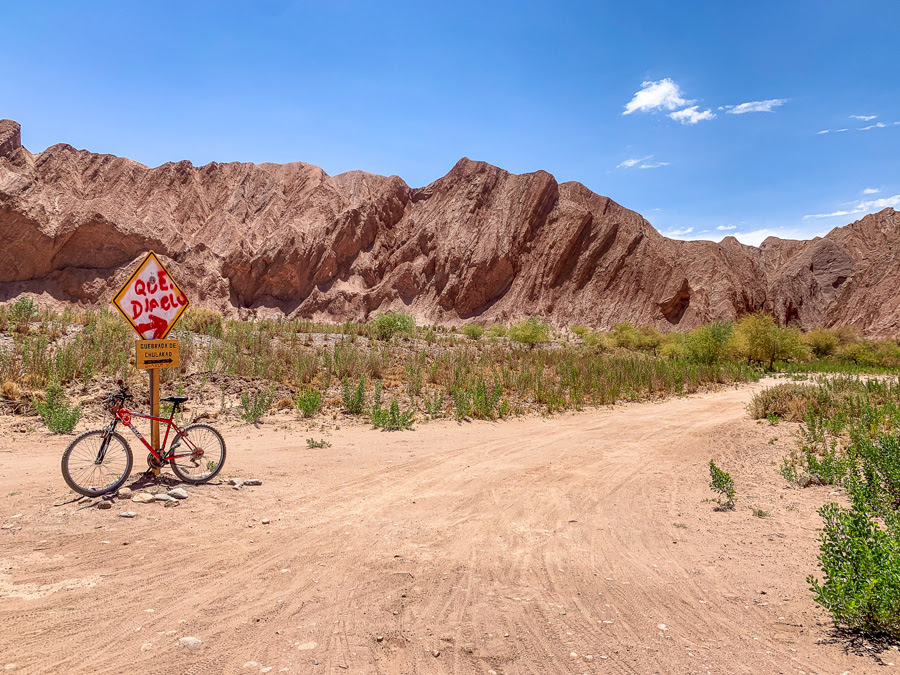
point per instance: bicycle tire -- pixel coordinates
(210, 441)
(83, 477)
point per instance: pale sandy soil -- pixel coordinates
(581, 543)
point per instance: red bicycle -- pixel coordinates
(98, 462)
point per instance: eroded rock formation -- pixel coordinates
(478, 243)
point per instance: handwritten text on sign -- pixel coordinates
(150, 300)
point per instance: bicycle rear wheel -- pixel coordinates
(95, 463)
(202, 454)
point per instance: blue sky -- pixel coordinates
(630, 98)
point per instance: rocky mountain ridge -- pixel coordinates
(477, 244)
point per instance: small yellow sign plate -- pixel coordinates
(157, 354)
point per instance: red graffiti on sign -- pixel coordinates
(151, 300)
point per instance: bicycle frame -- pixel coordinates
(124, 416)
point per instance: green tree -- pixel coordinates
(759, 339)
(531, 332)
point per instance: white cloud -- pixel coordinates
(877, 125)
(863, 118)
(871, 191)
(727, 227)
(755, 106)
(756, 237)
(692, 115)
(628, 163)
(656, 95)
(829, 131)
(870, 206)
(679, 233)
(641, 163)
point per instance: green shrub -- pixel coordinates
(386, 326)
(391, 418)
(312, 443)
(821, 341)
(57, 411)
(256, 404)
(497, 330)
(434, 404)
(309, 402)
(860, 560)
(473, 331)
(486, 400)
(21, 314)
(531, 332)
(462, 403)
(721, 482)
(354, 397)
(709, 343)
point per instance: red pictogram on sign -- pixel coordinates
(150, 300)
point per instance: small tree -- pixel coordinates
(473, 331)
(387, 325)
(821, 341)
(709, 343)
(531, 332)
(759, 339)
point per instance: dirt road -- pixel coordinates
(581, 543)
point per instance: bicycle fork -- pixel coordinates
(104, 445)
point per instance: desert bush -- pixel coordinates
(203, 321)
(462, 403)
(860, 560)
(709, 343)
(531, 332)
(312, 443)
(390, 324)
(58, 413)
(434, 404)
(788, 401)
(497, 330)
(391, 418)
(21, 314)
(473, 331)
(580, 331)
(256, 404)
(354, 397)
(721, 482)
(625, 335)
(486, 400)
(309, 402)
(594, 340)
(821, 341)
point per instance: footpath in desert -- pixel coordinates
(580, 543)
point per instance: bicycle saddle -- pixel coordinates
(175, 399)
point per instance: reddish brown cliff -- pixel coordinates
(477, 243)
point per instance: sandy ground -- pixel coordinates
(581, 543)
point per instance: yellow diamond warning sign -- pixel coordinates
(150, 300)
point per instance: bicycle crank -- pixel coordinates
(154, 464)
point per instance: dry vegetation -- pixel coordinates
(392, 372)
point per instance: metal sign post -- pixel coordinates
(152, 303)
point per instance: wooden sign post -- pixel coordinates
(152, 303)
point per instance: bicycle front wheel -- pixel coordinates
(200, 454)
(96, 464)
